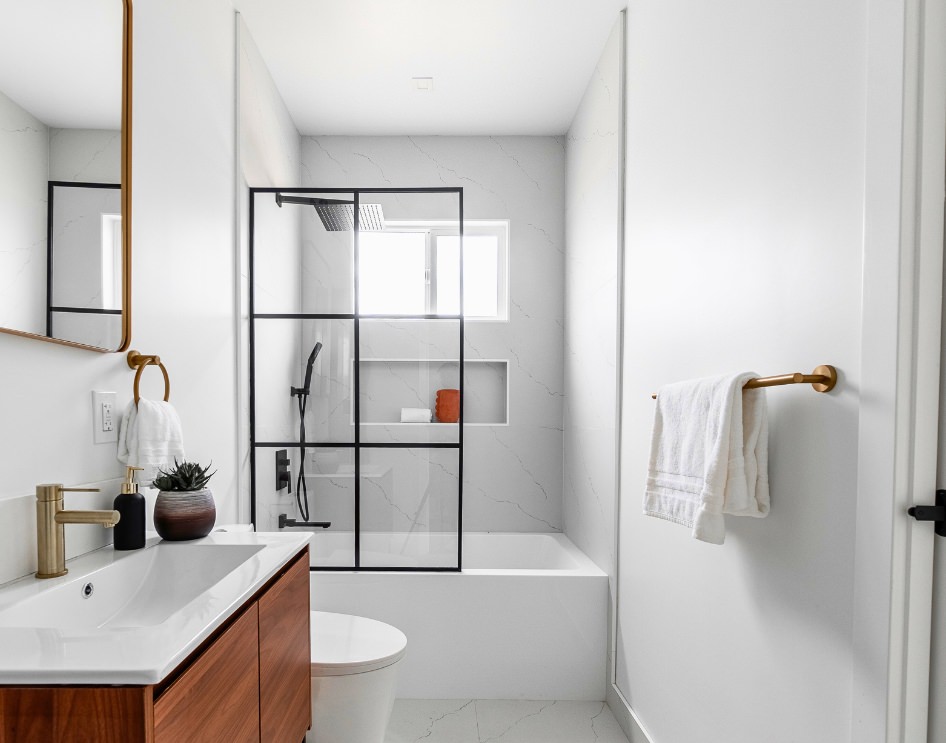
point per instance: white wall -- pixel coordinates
(592, 260)
(184, 278)
(269, 155)
(745, 151)
(513, 473)
(937, 731)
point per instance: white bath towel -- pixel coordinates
(150, 436)
(416, 415)
(708, 455)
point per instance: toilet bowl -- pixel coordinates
(354, 670)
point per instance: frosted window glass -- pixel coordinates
(393, 273)
(480, 275)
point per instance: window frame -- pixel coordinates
(498, 228)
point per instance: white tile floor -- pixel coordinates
(501, 721)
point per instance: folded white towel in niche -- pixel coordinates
(150, 436)
(416, 415)
(709, 455)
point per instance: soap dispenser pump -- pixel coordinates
(130, 529)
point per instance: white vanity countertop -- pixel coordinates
(149, 608)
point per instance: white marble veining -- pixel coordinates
(591, 310)
(513, 473)
(89, 155)
(505, 478)
(410, 490)
(502, 721)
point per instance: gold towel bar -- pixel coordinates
(139, 361)
(822, 379)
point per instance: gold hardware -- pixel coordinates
(125, 202)
(127, 36)
(108, 519)
(139, 361)
(822, 379)
(50, 534)
(129, 485)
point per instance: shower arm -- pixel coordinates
(308, 200)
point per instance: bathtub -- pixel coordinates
(526, 619)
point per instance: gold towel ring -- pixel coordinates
(139, 361)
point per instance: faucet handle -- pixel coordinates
(54, 491)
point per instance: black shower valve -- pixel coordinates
(283, 476)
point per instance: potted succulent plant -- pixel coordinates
(185, 506)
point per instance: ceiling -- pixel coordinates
(69, 73)
(498, 66)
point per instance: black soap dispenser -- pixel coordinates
(130, 529)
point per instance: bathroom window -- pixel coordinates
(393, 276)
(413, 269)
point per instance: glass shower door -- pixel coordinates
(350, 279)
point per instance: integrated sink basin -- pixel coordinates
(141, 590)
(131, 617)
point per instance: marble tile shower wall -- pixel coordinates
(512, 472)
(90, 155)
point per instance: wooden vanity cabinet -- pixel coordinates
(284, 671)
(217, 698)
(248, 683)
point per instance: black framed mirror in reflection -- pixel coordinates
(65, 190)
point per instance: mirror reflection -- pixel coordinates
(61, 244)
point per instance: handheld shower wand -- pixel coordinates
(304, 390)
(302, 492)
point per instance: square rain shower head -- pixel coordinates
(338, 215)
(341, 217)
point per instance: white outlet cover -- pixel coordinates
(99, 434)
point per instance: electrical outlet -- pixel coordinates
(107, 423)
(104, 423)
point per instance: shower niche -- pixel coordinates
(355, 314)
(401, 383)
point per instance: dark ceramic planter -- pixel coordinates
(182, 516)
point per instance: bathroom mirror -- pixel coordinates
(65, 166)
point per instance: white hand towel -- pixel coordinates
(416, 415)
(150, 436)
(708, 455)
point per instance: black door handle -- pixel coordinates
(936, 514)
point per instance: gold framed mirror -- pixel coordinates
(65, 172)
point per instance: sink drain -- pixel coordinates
(87, 590)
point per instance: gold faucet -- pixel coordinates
(50, 534)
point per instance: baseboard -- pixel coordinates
(626, 718)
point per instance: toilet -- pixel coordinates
(354, 673)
